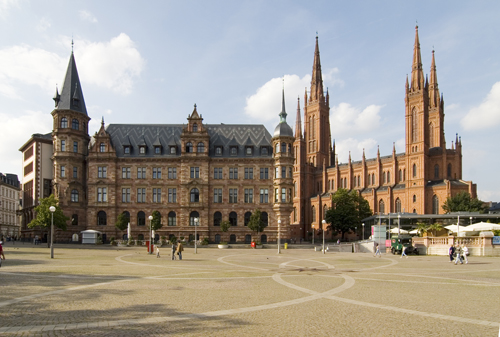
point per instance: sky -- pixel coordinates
(150, 62)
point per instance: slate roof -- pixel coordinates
(225, 135)
(71, 97)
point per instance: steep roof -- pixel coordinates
(71, 97)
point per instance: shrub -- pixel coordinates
(204, 241)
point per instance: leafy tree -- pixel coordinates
(422, 228)
(44, 216)
(255, 223)
(156, 221)
(463, 202)
(349, 208)
(122, 221)
(434, 228)
(225, 225)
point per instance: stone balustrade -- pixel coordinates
(478, 245)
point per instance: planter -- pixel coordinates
(222, 246)
(258, 246)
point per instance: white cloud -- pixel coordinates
(87, 16)
(486, 115)
(356, 147)
(6, 5)
(346, 120)
(330, 77)
(43, 25)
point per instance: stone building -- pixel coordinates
(217, 172)
(9, 205)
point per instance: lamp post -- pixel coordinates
(150, 234)
(52, 209)
(458, 226)
(279, 238)
(324, 225)
(399, 223)
(195, 233)
(363, 224)
(312, 226)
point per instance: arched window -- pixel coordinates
(369, 179)
(277, 148)
(74, 219)
(201, 147)
(373, 179)
(400, 175)
(74, 195)
(283, 148)
(194, 215)
(381, 206)
(101, 218)
(449, 170)
(398, 205)
(359, 181)
(217, 218)
(75, 125)
(414, 198)
(247, 218)
(189, 147)
(414, 124)
(264, 218)
(388, 176)
(233, 219)
(232, 238)
(195, 127)
(141, 218)
(414, 170)
(313, 211)
(102, 147)
(431, 135)
(435, 205)
(195, 195)
(172, 219)
(64, 123)
(436, 172)
(294, 214)
(217, 238)
(384, 178)
(248, 238)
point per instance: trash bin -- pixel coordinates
(252, 244)
(286, 245)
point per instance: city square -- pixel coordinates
(124, 291)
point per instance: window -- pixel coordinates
(283, 195)
(125, 194)
(400, 175)
(381, 206)
(414, 123)
(189, 147)
(217, 172)
(247, 218)
(141, 173)
(449, 170)
(157, 195)
(75, 147)
(195, 195)
(201, 147)
(172, 173)
(264, 173)
(63, 171)
(173, 150)
(141, 219)
(63, 145)
(126, 149)
(264, 218)
(414, 170)
(435, 205)
(156, 172)
(218, 150)
(290, 172)
(398, 205)
(74, 195)
(172, 195)
(217, 218)
(75, 124)
(276, 195)
(102, 195)
(142, 149)
(369, 179)
(102, 147)
(195, 172)
(195, 127)
(264, 195)
(313, 212)
(264, 151)
(436, 173)
(75, 172)
(248, 150)
(193, 215)
(217, 195)
(157, 149)
(283, 172)
(126, 172)
(102, 172)
(373, 179)
(234, 150)
(233, 173)
(248, 173)
(248, 195)
(64, 123)
(101, 218)
(283, 148)
(414, 198)
(233, 218)
(74, 219)
(276, 173)
(141, 195)
(233, 195)
(172, 219)
(384, 177)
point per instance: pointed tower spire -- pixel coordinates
(433, 85)
(283, 113)
(317, 79)
(417, 75)
(298, 121)
(407, 85)
(56, 97)
(71, 97)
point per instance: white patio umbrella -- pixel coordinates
(415, 231)
(481, 226)
(395, 231)
(453, 228)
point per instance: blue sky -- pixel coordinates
(150, 62)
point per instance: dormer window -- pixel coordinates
(263, 151)
(218, 151)
(102, 147)
(173, 150)
(189, 147)
(248, 150)
(195, 127)
(234, 150)
(126, 149)
(157, 149)
(142, 150)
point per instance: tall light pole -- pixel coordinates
(279, 230)
(52, 209)
(399, 224)
(363, 224)
(458, 226)
(195, 225)
(312, 226)
(324, 225)
(150, 234)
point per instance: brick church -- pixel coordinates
(218, 172)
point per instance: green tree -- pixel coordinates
(44, 216)
(463, 202)
(348, 209)
(156, 221)
(122, 221)
(434, 228)
(225, 225)
(422, 228)
(255, 223)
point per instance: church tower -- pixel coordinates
(70, 144)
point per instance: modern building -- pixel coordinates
(217, 172)
(9, 205)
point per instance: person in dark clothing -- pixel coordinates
(451, 252)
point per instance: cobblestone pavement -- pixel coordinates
(110, 291)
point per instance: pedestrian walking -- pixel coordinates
(2, 256)
(458, 255)
(465, 252)
(174, 249)
(157, 251)
(377, 251)
(451, 252)
(179, 250)
(403, 252)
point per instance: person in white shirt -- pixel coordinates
(465, 251)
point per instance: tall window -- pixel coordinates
(157, 195)
(172, 195)
(283, 148)
(74, 124)
(414, 170)
(102, 147)
(193, 215)
(398, 205)
(431, 135)
(233, 219)
(141, 173)
(369, 179)
(172, 173)
(102, 194)
(189, 147)
(248, 195)
(64, 123)
(233, 195)
(381, 206)
(217, 218)
(233, 173)
(75, 147)
(283, 195)
(436, 172)
(313, 211)
(141, 218)
(246, 219)
(141, 195)
(63, 171)
(172, 219)
(373, 179)
(101, 218)
(156, 172)
(195, 172)
(201, 147)
(195, 195)
(217, 195)
(63, 145)
(217, 172)
(125, 194)
(264, 195)
(388, 176)
(264, 218)
(75, 172)
(74, 195)
(195, 127)
(400, 175)
(125, 172)
(435, 205)
(414, 198)
(102, 172)
(449, 170)
(414, 123)
(248, 173)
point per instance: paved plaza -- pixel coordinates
(123, 291)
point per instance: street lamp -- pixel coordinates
(363, 224)
(150, 235)
(324, 225)
(399, 224)
(312, 226)
(458, 226)
(279, 230)
(52, 209)
(195, 225)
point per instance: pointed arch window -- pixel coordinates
(436, 171)
(435, 205)
(449, 171)
(414, 170)
(414, 124)
(381, 206)
(398, 205)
